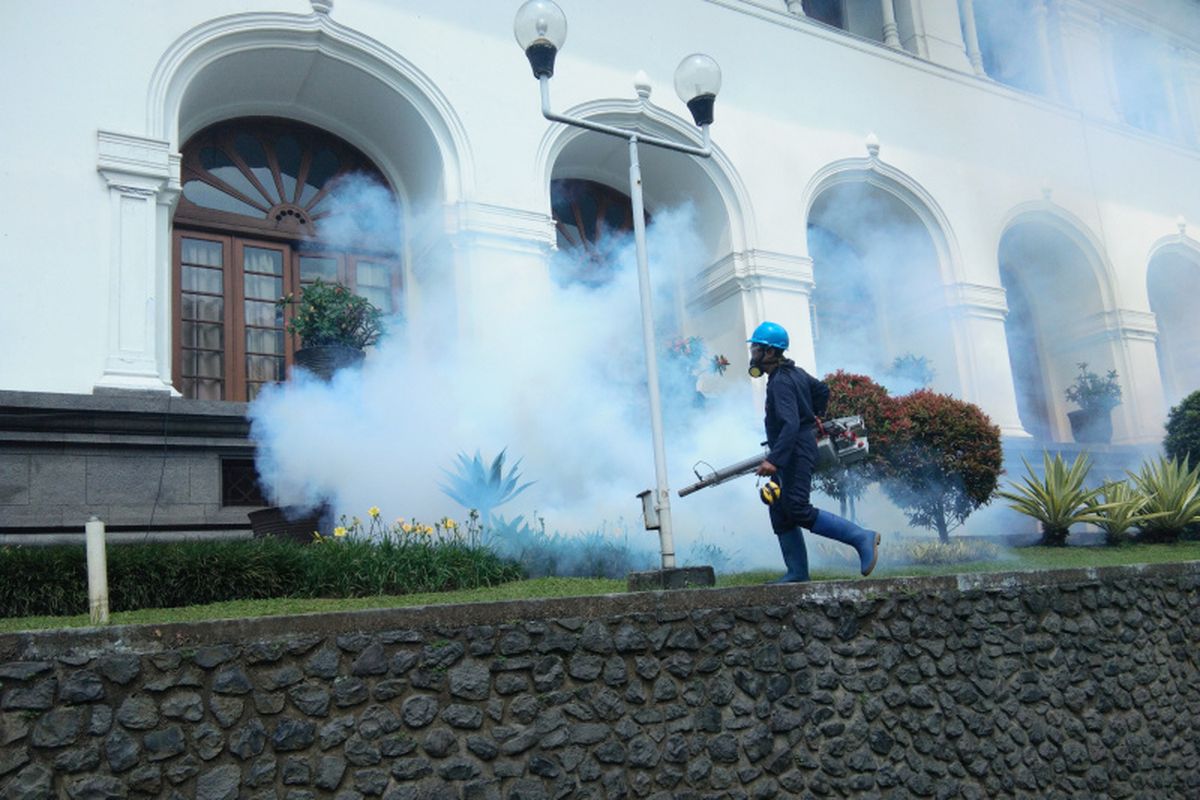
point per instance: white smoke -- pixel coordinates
(559, 382)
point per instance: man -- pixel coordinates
(794, 401)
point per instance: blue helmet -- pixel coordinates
(770, 334)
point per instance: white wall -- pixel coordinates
(797, 97)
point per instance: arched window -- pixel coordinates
(590, 219)
(269, 205)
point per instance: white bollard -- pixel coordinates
(97, 567)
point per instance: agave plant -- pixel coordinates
(1121, 506)
(474, 486)
(1058, 500)
(1173, 497)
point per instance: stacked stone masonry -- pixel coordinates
(1062, 684)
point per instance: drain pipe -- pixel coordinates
(97, 569)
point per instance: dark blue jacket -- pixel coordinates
(794, 400)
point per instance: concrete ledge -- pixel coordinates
(152, 638)
(676, 578)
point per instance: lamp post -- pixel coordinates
(541, 29)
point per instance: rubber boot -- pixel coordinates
(866, 542)
(795, 556)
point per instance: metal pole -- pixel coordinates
(662, 491)
(97, 571)
(663, 495)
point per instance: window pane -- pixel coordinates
(206, 337)
(203, 364)
(221, 166)
(261, 340)
(257, 259)
(255, 156)
(264, 287)
(288, 152)
(264, 368)
(373, 273)
(380, 298)
(313, 267)
(202, 252)
(264, 315)
(203, 389)
(207, 196)
(202, 279)
(323, 167)
(204, 309)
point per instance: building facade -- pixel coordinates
(997, 190)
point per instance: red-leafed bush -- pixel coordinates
(946, 465)
(850, 395)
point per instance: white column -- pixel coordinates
(1183, 109)
(1088, 61)
(891, 34)
(1140, 417)
(985, 371)
(1040, 13)
(938, 34)
(142, 176)
(498, 256)
(971, 35)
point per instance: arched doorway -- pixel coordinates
(591, 219)
(1173, 284)
(878, 300)
(1055, 319)
(269, 205)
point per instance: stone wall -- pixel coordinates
(140, 461)
(1054, 684)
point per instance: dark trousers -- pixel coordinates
(794, 508)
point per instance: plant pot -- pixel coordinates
(1091, 426)
(296, 525)
(325, 359)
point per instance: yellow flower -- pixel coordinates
(427, 529)
(406, 528)
(374, 512)
(449, 524)
(339, 531)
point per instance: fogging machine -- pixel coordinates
(840, 443)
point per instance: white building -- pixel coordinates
(1002, 187)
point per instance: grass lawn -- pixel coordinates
(1026, 558)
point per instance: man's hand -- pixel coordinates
(766, 469)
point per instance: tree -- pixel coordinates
(948, 463)
(849, 395)
(1182, 441)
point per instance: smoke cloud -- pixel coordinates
(560, 382)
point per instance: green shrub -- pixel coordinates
(1182, 441)
(592, 554)
(946, 462)
(923, 553)
(1057, 498)
(331, 314)
(858, 395)
(1173, 498)
(958, 551)
(1119, 507)
(52, 581)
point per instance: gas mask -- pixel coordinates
(761, 359)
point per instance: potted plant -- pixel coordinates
(334, 326)
(1096, 398)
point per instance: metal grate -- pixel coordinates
(239, 483)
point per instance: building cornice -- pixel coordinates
(752, 270)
